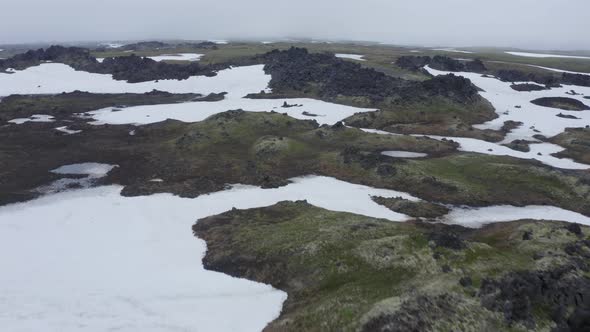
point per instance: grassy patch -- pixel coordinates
(343, 270)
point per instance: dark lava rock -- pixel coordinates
(519, 145)
(454, 87)
(447, 240)
(573, 93)
(465, 281)
(131, 68)
(510, 125)
(144, 46)
(567, 116)
(386, 170)
(574, 228)
(575, 79)
(213, 97)
(441, 62)
(527, 87)
(416, 314)
(512, 75)
(564, 103)
(287, 105)
(413, 62)
(556, 291)
(528, 235)
(421, 209)
(338, 125)
(540, 137)
(476, 66)
(77, 57)
(329, 77)
(135, 69)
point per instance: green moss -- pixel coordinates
(342, 270)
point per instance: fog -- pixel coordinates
(534, 24)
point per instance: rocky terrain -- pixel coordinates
(347, 272)
(445, 63)
(129, 68)
(576, 142)
(441, 105)
(342, 271)
(566, 104)
(65, 105)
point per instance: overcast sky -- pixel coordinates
(542, 24)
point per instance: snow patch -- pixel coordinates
(65, 129)
(559, 70)
(404, 154)
(477, 217)
(178, 57)
(33, 118)
(357, 57)
(95, 170)
(53, 78)
(109, 261)
(516, 106)
(545, 55)
(452, 50)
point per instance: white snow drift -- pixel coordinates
(178, 57)
(357, 57)
(324, 113)
(33, 118)
(237, 82)
(67, 131)
(91, 169)
(93, 172)
(94, 260)
(52, 78)
(452, 50)
(477, 217)
(536, 119)
(404, 154)
(545, 55)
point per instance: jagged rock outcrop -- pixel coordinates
(413, 62)
(297, 70)
(576, 79)
(440, 62)
(513, 75)
(131, 68)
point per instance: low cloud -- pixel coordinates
(537, 24)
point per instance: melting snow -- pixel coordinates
(91, 169)
(97, 260)
(544, 55)
(33, 118)
(68, 131)
(53, 78)
(559, 70)
(327, 113)
(476, 217)
(536, 120)
(93, 172)
(350, 56)
(404, 154)
(452, 50)
(238, 82)
(178, 57)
